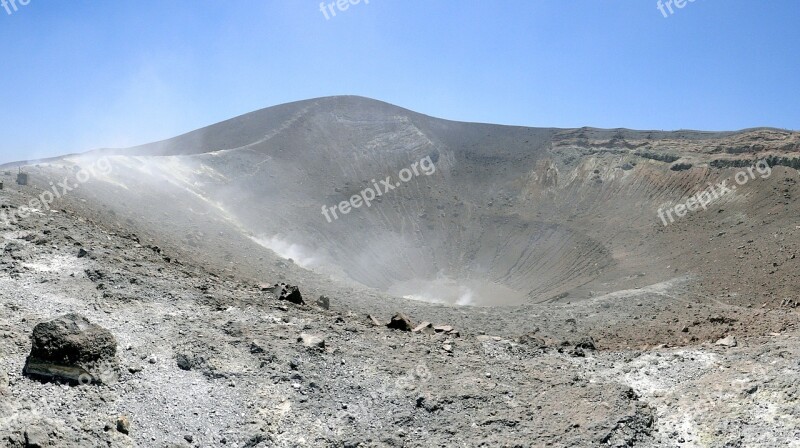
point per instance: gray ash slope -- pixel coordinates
(560, 225)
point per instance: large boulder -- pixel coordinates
(72, 349)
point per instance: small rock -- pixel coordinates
(288, 293)
(577, 352)
(123, 424)
(586, 343)
(427, 403)
(443, 328)
(728, 341)
(184, 362)
(531, 340)
(375, 321)
(36, 437)
(82, 253)
(311, 341)
(400, 322)
(424, 327)
(256, 347)
(324, 302)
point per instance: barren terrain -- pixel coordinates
(579, 318)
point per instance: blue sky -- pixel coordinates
(84, 74)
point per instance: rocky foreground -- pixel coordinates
(208, 359)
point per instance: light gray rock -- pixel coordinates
(36, 437)
(311, 341)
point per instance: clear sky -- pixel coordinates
(81, 74)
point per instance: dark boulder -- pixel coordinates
(72, 349)
(289, 293)
(400, 322)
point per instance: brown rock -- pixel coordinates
(424, 327)
(375, 321)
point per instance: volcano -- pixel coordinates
(511, 215)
